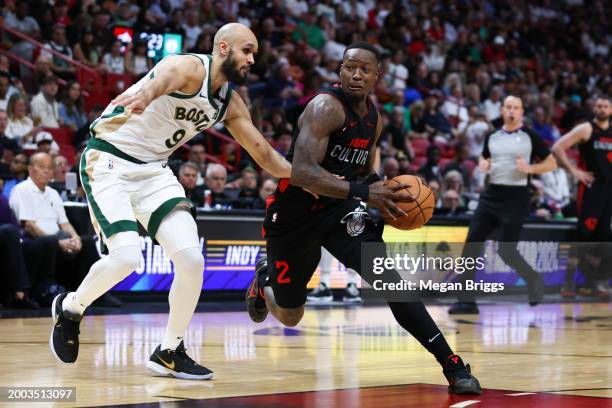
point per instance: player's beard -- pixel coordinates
(231, 72)
(602, 117)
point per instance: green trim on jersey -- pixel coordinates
(181, 95)
(107, 228)
(164, 209)
(117, 111)
(211, 98)
(104, 146)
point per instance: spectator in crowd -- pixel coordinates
(309, 31)
(539, 207)
(453, 181)
(113, 61)
(59, 43)
(6, 90)
(431, 170)
(462, 154)
(85, 51)
(71, 111)
(8, 146)
(19, 172)
(418, 128)
(247, 188)
(82, 134)
(137, 61)
(216, 179)
(45, 109)
(492, 106)
(475, 132)
(395, 135)
(556, 190)
(451, 202)
(22, 21)
(20, 126)
(436, 123)
(192, 28)
(283, 143)
(197, 156)
(542, 126)
(24, 261)
(40, 210)
(267, 187)
(390, 167)
(455, 110)
(58, 181)
(46, 144)
(397, 73)
(188, 175)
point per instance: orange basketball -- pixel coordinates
(417, 212)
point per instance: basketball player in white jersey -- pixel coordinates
(126, 179)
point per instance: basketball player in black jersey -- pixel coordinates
(332, 159)
(594, 175)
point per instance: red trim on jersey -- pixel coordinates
(580, 197)
(269, 200)
(283, 184)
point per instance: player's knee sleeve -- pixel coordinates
(126, 258)
(189, 262)
(178, 231)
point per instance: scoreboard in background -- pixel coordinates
(232, 244)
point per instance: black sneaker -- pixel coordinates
(352, 294)
(64, 340)
(320, 294)
(535, 291)
(459, 376)
(255, 298)
(464, 308)
(177, 364)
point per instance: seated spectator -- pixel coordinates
(19, 172)
(492, 106)
(216, 179)
(85, 51)
(280, 90)
(556, 190)
(247, 188)
(395, 134)
(475, 132)
(267, 187)
(197, 156)
(46, 144)
(40, 210)
(397, 73)
(22, 21)
(71, 110)
(58, 181)
(390, 167)
(435, 122)
(187, 176)
(42, 69)
(543, 127)
(451, 203)
(45, 109)
(15, 279)
(82, 134)
(430, 170)
(283, 144)
(458, 163)
(59, 43)
(114, 61)
(20, 126)
(192, 28)
(309, 32)
(6, 90)
(7, 146)
(137, 62)
(455, 110)
(418, 129)
(454, 181)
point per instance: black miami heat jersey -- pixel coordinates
(596, 153)
(349, 147)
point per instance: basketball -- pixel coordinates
(417, 212)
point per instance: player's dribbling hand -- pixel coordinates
(134, 103)
(385, 197)
(585, 177)
(523, 166)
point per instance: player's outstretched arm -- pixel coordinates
(578, 134)
(182, 73)
(323, 116)
(240, 125)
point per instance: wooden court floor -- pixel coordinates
(553, 355)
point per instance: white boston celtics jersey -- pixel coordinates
(168, 122)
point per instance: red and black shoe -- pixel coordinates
(460, 378)
(255, 298)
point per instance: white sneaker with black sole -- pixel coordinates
(320, 294)
(352, 294)
(177, 363)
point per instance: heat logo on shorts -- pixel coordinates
(355, 221)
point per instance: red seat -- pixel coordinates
(470, 165)
(443, 163)
(420, 146)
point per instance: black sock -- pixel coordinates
(413, 317)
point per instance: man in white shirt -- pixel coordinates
(5, 89)
(398, 73)
(44, 106)
(40, 211)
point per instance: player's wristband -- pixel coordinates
(359, 191)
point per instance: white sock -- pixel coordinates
(103, 275)
(325, 265)
(184, 294)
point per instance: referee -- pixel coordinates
(508, 157)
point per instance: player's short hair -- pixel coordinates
(604, 97)
(362, 45)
